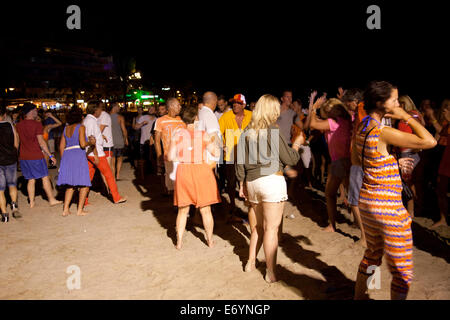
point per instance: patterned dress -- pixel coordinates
(386, 222)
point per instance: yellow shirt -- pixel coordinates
(230, 129)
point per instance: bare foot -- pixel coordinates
(250, 266)
(82, 213)
(55, 203)
(66, 213)
(211, 243)
(179, 245)
(270, 278)
(441, 222)
(32, 204)
(329, 228)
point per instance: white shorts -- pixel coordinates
(271, 188)
(306, 156)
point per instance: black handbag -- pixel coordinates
(406, 191)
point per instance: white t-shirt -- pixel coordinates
(209, 123)
(145, 130)
(92, 129)
(105, 119)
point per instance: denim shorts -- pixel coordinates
(8, 176)
(355, 184)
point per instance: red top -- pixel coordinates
(28, 131)
(403, 126)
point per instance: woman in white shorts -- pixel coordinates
(262, 155)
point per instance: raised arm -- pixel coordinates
(420, 139)
(316, 123)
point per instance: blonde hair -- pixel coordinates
(266, 112)
(445, 105)
(409, 105)
(333, 108)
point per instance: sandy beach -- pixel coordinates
(127, 251)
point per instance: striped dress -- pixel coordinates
(386, 222)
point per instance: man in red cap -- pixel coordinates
(232, 123)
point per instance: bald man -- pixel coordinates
(164, 127)
(208, 121)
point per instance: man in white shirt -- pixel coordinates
(144, 122)
(104, 122)
(99, 161)
(208, 121)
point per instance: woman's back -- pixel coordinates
(73, 131)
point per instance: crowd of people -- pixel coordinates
(372, 150)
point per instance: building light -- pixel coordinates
(82, 92)
(11, 89)
(80, 101)
(166, 89)
(137, 75)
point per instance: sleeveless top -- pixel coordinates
(381, 191)
(74, 140)
(117, 134)
(8, 152)
(190, 146)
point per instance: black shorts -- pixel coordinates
(118, 152)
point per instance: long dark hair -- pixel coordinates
(75, 115)
(377, 91)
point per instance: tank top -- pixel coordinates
(74, 140)
(190, 146)
(8, 153)
(117, 132)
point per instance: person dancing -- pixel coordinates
(195, 182)
(74, 168)
(386, 222)
(261, 179)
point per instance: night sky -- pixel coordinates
(255, 47)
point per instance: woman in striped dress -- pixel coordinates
(386, 222)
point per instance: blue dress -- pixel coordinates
(74, 169)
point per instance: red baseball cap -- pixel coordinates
(239, 98)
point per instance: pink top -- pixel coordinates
(339, 138)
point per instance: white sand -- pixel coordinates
(126, 252)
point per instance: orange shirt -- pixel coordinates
(167, 126)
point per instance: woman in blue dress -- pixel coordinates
(74, 169)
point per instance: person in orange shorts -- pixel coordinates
(195, 182)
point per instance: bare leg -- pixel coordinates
(181, 225)
(67, 200)
(49, 191)
(82, 197)
(272, 212)
(357, 215)
(2, 201)
(208, 224)
(256, 220)
(119, 166)
(443, 201)
(330, 195)
(13, 193)
(361, 287)
(31, 189)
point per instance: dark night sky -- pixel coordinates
(257, 47)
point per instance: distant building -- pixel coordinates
(57, 74)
